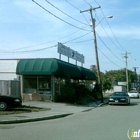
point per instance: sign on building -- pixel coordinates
(62, 49)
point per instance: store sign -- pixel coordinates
(62, 49)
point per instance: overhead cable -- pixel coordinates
(28, 51)
(111, 29)
(48, 41)
(109, 36)
(108, 48)
(78, 10)
(108, 58)
(77, 37)
(87, 3)
(66, 13)
(82, 41)
(59, 17)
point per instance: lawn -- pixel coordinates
(23, 109)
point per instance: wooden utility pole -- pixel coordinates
(96, 50)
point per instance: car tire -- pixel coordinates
(3, 106)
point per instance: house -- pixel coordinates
(8, 69)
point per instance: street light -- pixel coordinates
(103, 19)
(96, 53)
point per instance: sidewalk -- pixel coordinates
(57, 110)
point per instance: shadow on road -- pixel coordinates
(131, 104)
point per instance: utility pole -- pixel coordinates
(125, 56)
(96, 50)
(135, 82)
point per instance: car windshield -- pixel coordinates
(132, 91)
(119, 94)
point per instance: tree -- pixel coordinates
(107, 85)
(117, 75)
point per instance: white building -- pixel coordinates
(8, 69)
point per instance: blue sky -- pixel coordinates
(26, 29)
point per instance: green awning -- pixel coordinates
(87, 74)
(52, 66)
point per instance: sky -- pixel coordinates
(32, 29)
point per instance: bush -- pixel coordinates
(85, 100)
(67, 93)
(78, 94)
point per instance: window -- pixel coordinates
(30, 84)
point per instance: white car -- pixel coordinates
(133, 94)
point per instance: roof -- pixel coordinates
(52, 66)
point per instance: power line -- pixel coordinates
(87, 3)
(78, 10)
(111, 29)
(108, 47)
(97, 2)
(109, 36)
(77, 38)
(48, 41)
(108, 58)
(82, 41)
(66, 14)
(114, 34)
(29, 51)
(45, 47)
(72, 5)
(59, 17)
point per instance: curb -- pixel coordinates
(102, 104)
(34, 119)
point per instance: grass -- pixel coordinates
(23, 109)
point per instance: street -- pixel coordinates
(101, 123)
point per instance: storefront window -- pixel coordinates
(44, 84)
(30, 84)
(37, 84)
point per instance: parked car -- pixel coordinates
(119, 97)
(9, 102)
(133, 94)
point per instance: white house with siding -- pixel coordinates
(8, 69)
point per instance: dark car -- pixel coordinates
(119, 97)
(9, 102)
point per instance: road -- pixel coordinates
(101, 123)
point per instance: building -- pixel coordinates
(45, 76)
(8, 69)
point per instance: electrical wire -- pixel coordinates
(81, 41)
(111, 29)
(72, 5)
(59, 17)
(45, 47)
(108, 58)
(76, 38)
(87, 3)
(108, 47)
(78, 10)
(132, 60)
(48, 41)
(65, 13)
(29, 51)
(109, 36)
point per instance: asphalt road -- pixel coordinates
(101, 123)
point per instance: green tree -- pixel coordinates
(106, 85)
(117, 75)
